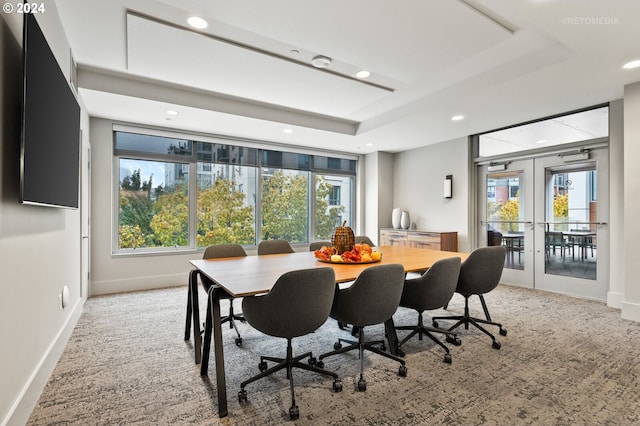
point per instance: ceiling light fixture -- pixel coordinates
(197, 22)
(321, 61)
(363, 74)
(542, 141)
(287, 131)
(172, 112)
(632, 64)
(457, 118)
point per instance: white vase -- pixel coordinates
(405, 220)
(395, 218)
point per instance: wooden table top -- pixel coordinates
(251, 275)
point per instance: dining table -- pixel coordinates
(254, 275)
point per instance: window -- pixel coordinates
(239, 194)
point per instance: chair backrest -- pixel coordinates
(317, 245)
(220, 250)
(434, 288)
(372, 298)
(298, 303)
(274, 247)
(481, 271)
(494, 238)
(360, 239)
(223, 250)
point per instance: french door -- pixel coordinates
(550, 212)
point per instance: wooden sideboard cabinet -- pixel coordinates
(447, 241)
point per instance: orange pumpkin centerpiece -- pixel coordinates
(343, 238)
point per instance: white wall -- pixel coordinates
(631, 252)
(377, 188)
(418, 187)
(615, 296)
(39, 246)
(117, 273)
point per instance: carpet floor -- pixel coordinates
(565, 361)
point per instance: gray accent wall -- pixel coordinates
(418, 185)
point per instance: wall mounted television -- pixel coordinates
(50, 139)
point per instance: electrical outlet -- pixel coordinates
(60, 302)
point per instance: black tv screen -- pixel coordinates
(50, 145)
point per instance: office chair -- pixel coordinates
(371, 299)
(212, 252)
(298, 304)
(363, 239)
(274, 247)
(317, 245)
(432, 290)
(479, 274)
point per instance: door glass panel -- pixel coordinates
(505, 222)
(570, 235)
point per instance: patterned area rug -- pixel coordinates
(565, 361)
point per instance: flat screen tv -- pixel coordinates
(50, 143)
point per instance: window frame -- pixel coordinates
(193, 162)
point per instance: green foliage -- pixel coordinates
(285, 207)
(561, 206)
(171, 218)
(222, 213)
(511, 212)
(222, 216)
(130, 236)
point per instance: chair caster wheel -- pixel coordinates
(239, 341)
(496, 344)
(362, 385)
(337, 345)
(342, 325)
(337, 385)
(312, 361)
(294, 413)
(320, 364)
(262, 366)
(503, 331)
(454, 340)
(435, 324)
(242, 395)
(447, 358)
(402, 371)
(383, 347)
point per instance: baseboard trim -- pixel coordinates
(631, 311)
(615, 300)
(28, 397)
(138, 284)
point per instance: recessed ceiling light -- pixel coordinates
(632, 64)
(197, 22)
(457, 118)
(321, 61)
(542, 141)
(294, 51)
(172, 112)
(287, 130)
(363, 74)
(369, 144)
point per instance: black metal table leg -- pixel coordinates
(213, 324)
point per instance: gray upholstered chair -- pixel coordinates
(212, 252)
(298, 304)
(317, 245)
(479, 274)
(360, 239)
(274, 247)
(371, 299)
(432, 290)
